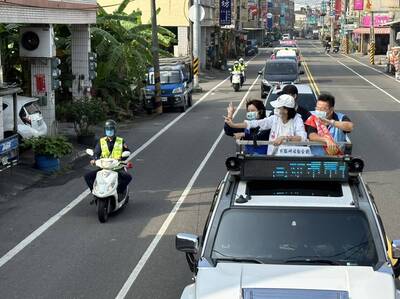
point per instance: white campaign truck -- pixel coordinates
(292, 227)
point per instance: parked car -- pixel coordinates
(251, 47)
(278, 72)
(176, 84)
(30, 119)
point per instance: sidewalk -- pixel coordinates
(24, 175)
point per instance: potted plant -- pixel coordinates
(85, 113)
(48, 150)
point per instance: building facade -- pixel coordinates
(42, 15)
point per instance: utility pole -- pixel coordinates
(372, 40)
(156, 60)
(196, 46)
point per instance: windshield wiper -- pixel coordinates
(312, 261)
(240, 260)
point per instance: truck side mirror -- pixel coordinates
(260, 72)
(189, 244)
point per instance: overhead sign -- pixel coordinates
(225, 12)
(358, 4)
(192, 13)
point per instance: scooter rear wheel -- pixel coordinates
(102, 209)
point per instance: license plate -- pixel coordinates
(164, 99)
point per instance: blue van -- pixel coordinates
(176, 85)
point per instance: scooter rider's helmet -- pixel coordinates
(110, 128)
(236, 62)
(241, 60)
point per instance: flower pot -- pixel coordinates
(47, 163)
(88, 140)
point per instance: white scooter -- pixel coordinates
(106, 183)
(236, 80)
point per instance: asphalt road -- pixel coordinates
(77, 257)
(372, 101)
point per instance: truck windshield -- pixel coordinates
(167, 77)
(280, 68)
(301, 236)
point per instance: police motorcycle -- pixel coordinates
(105, 186)
(236, 77)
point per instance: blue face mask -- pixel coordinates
(251, 115)
(109, 132)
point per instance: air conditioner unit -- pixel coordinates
(37, 42)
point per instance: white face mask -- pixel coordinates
(320, 114)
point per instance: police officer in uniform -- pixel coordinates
(110, 146)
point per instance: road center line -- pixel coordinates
(147, 254)
(41, 229)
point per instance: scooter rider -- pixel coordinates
(110, 146)
(236, 68)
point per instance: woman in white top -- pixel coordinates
(285, 124)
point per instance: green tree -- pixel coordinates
(123, 45)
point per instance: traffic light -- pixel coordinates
(55, 73)
(92, 65)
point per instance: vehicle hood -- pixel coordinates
(231, 280)
(165, 88)
(281, 77)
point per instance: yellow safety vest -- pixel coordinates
(242, 67)
(117, 150)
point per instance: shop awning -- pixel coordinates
(366, 30)
(391, 23)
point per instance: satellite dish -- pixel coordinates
(192, 13)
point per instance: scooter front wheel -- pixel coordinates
(102, 209)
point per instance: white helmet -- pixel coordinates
(236, 62)
(241, 60)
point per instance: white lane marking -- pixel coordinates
(25, 242)
(41, 229)
(146, 255)
(370, 67)
(362, 77)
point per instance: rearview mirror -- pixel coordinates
(396, 249)
(301, 72)
(230, 69)
(260, 72)
(126, 154)
(187, 243)
(89, 152)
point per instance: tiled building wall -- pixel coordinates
(80, 48)
(183, 41)
(42, 67)
(36, 15)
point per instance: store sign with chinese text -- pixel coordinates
(225, 12)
